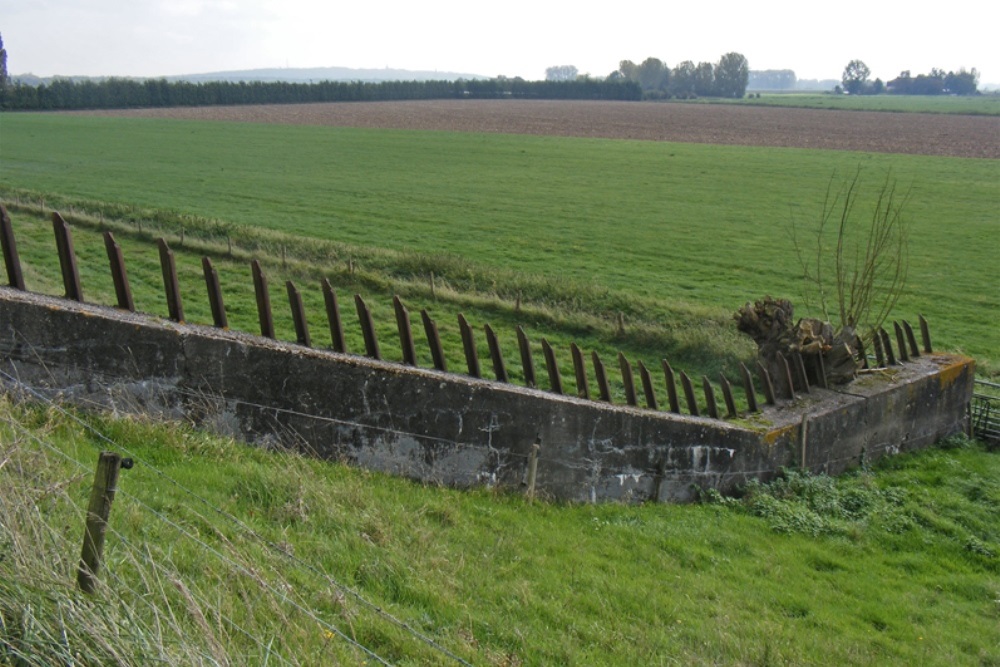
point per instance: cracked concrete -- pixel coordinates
(449, 428)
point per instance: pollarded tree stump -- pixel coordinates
(829, 358)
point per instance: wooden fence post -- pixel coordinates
(713, 408)
(405, 332)
(766, 384)
(901, 342)
(170, 284)
(496, 354)
(123, 291)
(748, 388)
(601, 373)
(627, 379)
(298, 314)
(102, 495)
(67, 258)
(727, 396)
(689, 394)
(10, 256)
(263, 294)
(434, 341)
(786, 377)
(533, 468)
(911, 339)
(333, 318)
(668, 374)
(214, 294)
(555, 382)
(925, 333)
(582, 389)
(647, 386)
(527, 363)
(469, 345)
(887, 345)
(367, 328)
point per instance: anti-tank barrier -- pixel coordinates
(665, 449)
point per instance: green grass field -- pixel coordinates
(980, 105)
(659, 231)
(223, 554)
(899, 565)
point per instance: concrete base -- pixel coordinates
(452, 429)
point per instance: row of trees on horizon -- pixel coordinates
(856, 80)
(726, 78)
(134, 93)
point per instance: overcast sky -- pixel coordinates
(513, 38)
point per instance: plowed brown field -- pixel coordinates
(884, 132)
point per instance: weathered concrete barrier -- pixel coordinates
(453, 429)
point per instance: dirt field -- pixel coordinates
(924, 134)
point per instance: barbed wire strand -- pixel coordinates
(207, 547)
(243, 526)
(59, 540)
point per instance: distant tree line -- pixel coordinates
(855, 81)
(118, 93)
(726, 78)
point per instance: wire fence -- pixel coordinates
(241, 528)
(984, 412)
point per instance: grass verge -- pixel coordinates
(273, 554)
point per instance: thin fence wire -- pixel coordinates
(126, 543)
(247, 530)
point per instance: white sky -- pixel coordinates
(515, 38)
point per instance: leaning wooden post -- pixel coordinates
(766, 385)
(668, 375)
(887, 344)
(123, 292)
(555, 381)
(901, 342)
(647, 386)
(10, 256)
(469, 345)
(786, 376)
(102, 494)
(67, 258)
(627, 379)
(800, 371)
(689, 394)
(713, 408)
(214, 294)
(170, 284)
(925, 334)
(496, 354)
(264, 315)
(298, 314)
(405, 332)
(527, 362)
(582, 388)
(533, 468)
(911, 339)
(603, 386)
(333, 318)
(434, 342)
(879, 354)
(748, 388)
(367, 328)
(727, 396)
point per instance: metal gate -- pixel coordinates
(985, 412)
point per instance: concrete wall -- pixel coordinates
(450, 428)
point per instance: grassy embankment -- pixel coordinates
(674, 236)
(222, 554)
(896, 567)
